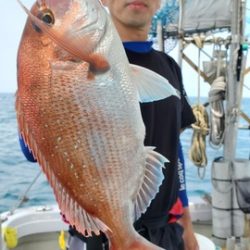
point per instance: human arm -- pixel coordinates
(190, 241)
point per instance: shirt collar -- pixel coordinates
(139, 46)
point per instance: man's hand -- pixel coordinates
(190, 241)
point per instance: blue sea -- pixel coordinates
(16, 173)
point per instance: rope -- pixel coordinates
(217, 113)
(23, 198)
(248, 88)
(199, 43)
(197, 152)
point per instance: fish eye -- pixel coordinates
(47, 16)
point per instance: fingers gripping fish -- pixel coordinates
(78, 111)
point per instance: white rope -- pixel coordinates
(217, 113)
(248, 88)
(197, 152)
(199, 43)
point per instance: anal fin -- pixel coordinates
(77, 216)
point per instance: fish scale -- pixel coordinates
(99, 125)
(94, 102)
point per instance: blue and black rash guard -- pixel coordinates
(163, 121)
(146, 47)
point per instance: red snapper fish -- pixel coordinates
(78, 111)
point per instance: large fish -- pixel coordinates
(78, 111)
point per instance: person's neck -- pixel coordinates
(128, 34)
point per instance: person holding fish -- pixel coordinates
(111, 162)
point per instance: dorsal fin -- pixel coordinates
(153, 178)
(150, 85)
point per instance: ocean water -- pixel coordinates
(16, 173)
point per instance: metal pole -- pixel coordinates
(233, 88)
(1, 241)
(233, 97)
(232, 118)
(160, 38)
(180, 32)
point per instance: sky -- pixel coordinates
(11, 27)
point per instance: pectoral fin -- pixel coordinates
(153, 178)
(150, 85)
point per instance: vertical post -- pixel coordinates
(160, 37)
(232, 109)
(1, 242)
(233, 87)
(233, 97)
(180, 32)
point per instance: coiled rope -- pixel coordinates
(217, 113)
(197, 153)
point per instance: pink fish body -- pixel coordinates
(78, 111)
